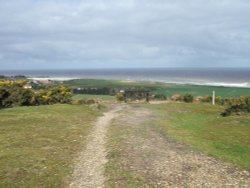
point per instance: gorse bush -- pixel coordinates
(14, 94)
(237, 106)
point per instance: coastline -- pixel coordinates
(203, 83)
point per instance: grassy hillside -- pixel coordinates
(201, 126)
(38, 144)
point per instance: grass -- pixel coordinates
(201, 126)
(38, 144)
(161, 88)
(118, 168)
(97, 83)
(96, 97)
(204, 90)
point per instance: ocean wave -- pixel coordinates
(217, 84)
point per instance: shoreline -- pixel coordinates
(209, 83)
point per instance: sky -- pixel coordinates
(63, 34)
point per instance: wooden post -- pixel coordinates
(213, 100)
(147, 97)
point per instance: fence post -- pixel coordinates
(213, 100)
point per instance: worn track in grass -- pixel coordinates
(89, 167)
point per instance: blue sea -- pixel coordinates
(228, 77)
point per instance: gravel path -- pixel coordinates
(149, 154)
(160, 161)
(89, 168)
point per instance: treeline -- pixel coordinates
(14, 94)
(13, 77)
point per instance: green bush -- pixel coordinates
(207, 99)
(188, 98)
(90, 101)
(120, 97)
(14, 94)
(160, 97)
(237, 106)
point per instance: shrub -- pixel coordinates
(90, 101)
(176, 97)
(120, 97)
(80, 102)
(207, 99)
(237, 106)
(13, 94)
(188, 98)
(160, 97)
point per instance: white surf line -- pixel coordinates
(89, 169)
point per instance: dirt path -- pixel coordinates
(145, 157)
(89, 170)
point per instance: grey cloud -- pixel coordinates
(111, 33)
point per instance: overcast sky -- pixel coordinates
(124, 33)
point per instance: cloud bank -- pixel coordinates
(124, 33)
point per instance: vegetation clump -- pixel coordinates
(120, 97)
(160, 97)
(15, 94)
(237, 106)
(176, 97)
(188, 98)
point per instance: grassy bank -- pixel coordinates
(38, 144)
(201, 126)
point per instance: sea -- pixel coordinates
(227, 77)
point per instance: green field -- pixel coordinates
(201, 126)
(162, 88)
(96, 97)
(204, 90)
(38, 144)
(95, 83)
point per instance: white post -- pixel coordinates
(213, 100)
